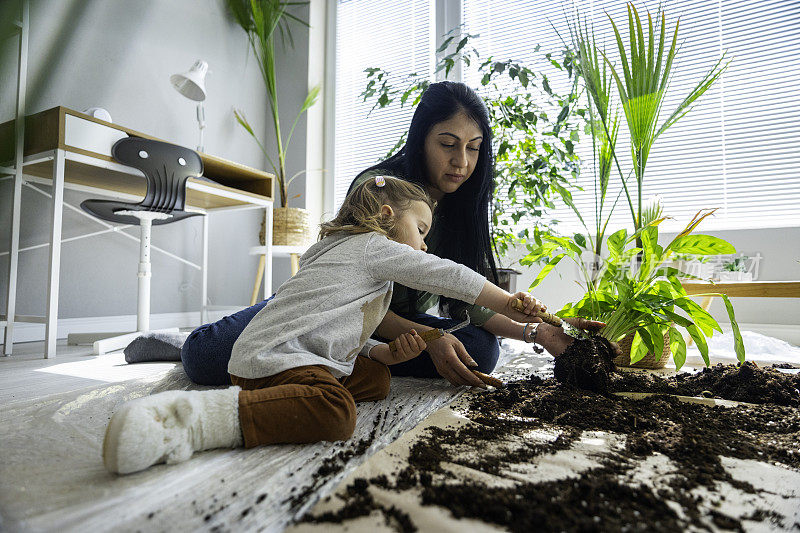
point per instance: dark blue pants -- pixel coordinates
(207, 350)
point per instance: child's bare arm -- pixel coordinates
(408, 346)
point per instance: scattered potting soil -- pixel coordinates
(692, 436)
(743, 383)
(587, 363)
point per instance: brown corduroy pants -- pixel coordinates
(307, 404)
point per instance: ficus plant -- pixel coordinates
(636, 292)
(534, 129)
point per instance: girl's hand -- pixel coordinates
(450, 357)
(530, 305)
(409, 345)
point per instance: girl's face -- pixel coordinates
(412, 225)
(451, 153)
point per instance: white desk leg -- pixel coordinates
(268, 252)
(16, 201)
(204, 273)
(51, 326)
(16, 206)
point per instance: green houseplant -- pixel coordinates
(534, 131)
(644, 298)
(265, 21)
(642, 82)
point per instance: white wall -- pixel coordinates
(780, 251)
(119, 54)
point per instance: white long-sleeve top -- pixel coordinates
(325, 314)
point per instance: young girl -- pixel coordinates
(306, 359)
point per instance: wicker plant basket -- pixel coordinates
(290, 227)
(651, 360)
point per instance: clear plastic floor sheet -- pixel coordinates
(52, 476)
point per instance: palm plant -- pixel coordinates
(592, 70)
(642, 85)
(261, 19)
(648, 299)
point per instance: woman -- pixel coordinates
(448, 152)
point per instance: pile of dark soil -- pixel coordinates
(587, 364)
(744, 383)
(692, 436)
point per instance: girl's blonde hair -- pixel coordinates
(361, 210)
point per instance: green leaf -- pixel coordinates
(444, 44)
(701, 245)
(546, 270)
(616, 241)
(700, 341)
(700, 316)
(678, 347)
(580, 240)
(678, 319)
(738, 342)
(638, 348)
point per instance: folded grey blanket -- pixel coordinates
(155, 347)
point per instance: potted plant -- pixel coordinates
(264, 21)
(735, 270)
(534, 132)
(641, 85)
(695, 266)
(641, 299)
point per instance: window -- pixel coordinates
(738, 149)
(395, 36)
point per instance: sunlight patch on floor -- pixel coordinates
(109, 368)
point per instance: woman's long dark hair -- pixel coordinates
(462, 217)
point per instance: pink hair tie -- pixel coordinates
(380, 181)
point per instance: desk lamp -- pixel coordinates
(192, 85)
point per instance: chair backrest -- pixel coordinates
(166, 167)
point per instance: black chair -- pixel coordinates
(166, 168)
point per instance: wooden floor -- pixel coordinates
(26, 375)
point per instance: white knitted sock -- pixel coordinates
(169, 427)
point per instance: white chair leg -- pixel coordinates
(143, 308)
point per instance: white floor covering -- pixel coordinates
(52, 477)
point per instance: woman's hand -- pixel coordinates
(408, 346)
(555, 340)
(530, 305)
(450, 357)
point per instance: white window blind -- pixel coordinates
(395, 36)
(738, 149)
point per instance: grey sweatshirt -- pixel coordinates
(325, 314)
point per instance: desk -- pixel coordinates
(67, 149)
(754, 289)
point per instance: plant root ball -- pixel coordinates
(586, 364)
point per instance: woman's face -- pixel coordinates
(451, 153)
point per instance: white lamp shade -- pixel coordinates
(192, 83)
